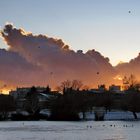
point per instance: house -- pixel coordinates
(20, 97)
(115, 88)
(100, 89)
(19, 93)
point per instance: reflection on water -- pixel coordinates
(88, 130)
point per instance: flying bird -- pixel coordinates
(51, 73)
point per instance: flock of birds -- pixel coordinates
(90, 126)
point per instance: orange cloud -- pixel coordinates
(31, 58)
(132, 67)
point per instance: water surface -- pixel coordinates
(84, 130)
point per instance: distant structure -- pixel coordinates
(115, 88)
(100, 89)
(20, 96)
(22, 92)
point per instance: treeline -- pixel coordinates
(72, 101)
(7, 105)
(68, 105)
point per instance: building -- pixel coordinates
(20, 96)
(115, 88)
(22, 92)
(100, 89)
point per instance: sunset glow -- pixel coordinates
(69, 69)
(118, 77)
(5, 91)
(68, 41)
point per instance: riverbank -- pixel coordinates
(113, 115)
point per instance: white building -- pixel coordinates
(22, 92)
(115, 88)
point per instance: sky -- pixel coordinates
(104, 25)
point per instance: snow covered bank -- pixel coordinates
(113, 115)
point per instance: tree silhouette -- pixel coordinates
(70, 85)
(131, 102)
(47, 90)
(32, 101)
(130, 83)
(63, 107)
(7, 104)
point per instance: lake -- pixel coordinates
(83, 130)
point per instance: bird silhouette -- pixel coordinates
(97, 72)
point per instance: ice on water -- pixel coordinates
(83, 130)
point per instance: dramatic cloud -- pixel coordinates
(16, 70)
(40, 60)
(132, 67)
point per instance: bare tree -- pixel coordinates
(130, 82)
(32, 101)
(74, 85)
(66, 84)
